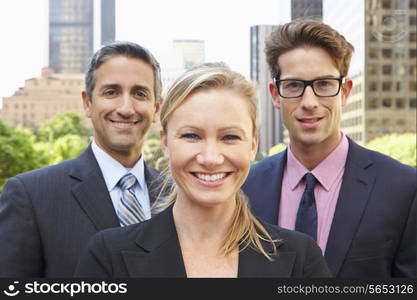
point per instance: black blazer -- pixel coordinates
(152, 249)
(373, 233)
(48, 215)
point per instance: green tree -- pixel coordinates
(17, 152)
(61, 125)
(401, 147)
(276, 149)
(67, 146)
(152, 152)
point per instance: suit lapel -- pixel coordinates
(271, 189)
(90, 190)
(354, 193)
(159, 251)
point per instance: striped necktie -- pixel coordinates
(307, 213)
(130, 210)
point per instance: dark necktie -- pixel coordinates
(130, 210)
(307, 213)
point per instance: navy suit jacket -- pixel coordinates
(152, 249)
(48, 215)
(373, 233)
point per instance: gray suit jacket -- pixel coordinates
(48, 215)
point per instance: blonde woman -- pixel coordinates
(210, 136)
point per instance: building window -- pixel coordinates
(400, 103)
(387, 69)
(387, 102)
(386, 123)
(413, 53)
(373, 53)
(386, 3)
(412, 37)
(412, 4)
(400, 86)
(413, 102)
(372, 104)
(386, 86)
(400, 4)
(373, 86)
(412, 70)
(400, 123)
(386, 53)
(413, 86)
(371, 122)
(372, 69)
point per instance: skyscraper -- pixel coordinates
(306, 9)
(271, 131)
(71, 32)
(383, 68)
(70, 35)
(108, 21)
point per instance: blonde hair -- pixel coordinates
(245, 230)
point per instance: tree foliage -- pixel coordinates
(17, 152)
(276, 149)
(61, 125)
(58, 139)
(401, 147)
(153, 154)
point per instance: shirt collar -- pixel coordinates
(326, 171)
(112, 170)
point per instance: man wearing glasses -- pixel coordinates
(359, 205)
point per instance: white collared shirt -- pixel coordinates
(112, 171)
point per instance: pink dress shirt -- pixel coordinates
(329, 174)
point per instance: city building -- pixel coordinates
(71, 32)
(42, 98)
(383, 32)
(271, 131)
(306, 9)
(107, 21)
(193, 52)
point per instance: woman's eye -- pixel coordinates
(190, 136)
(231, 137)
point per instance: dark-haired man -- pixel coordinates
(48, 215)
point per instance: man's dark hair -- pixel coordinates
(127, 49)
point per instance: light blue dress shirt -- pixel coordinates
(112, 171)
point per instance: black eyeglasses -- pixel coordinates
(322, 87)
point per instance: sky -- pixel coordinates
(224, 25)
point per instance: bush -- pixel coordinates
(401, 147)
